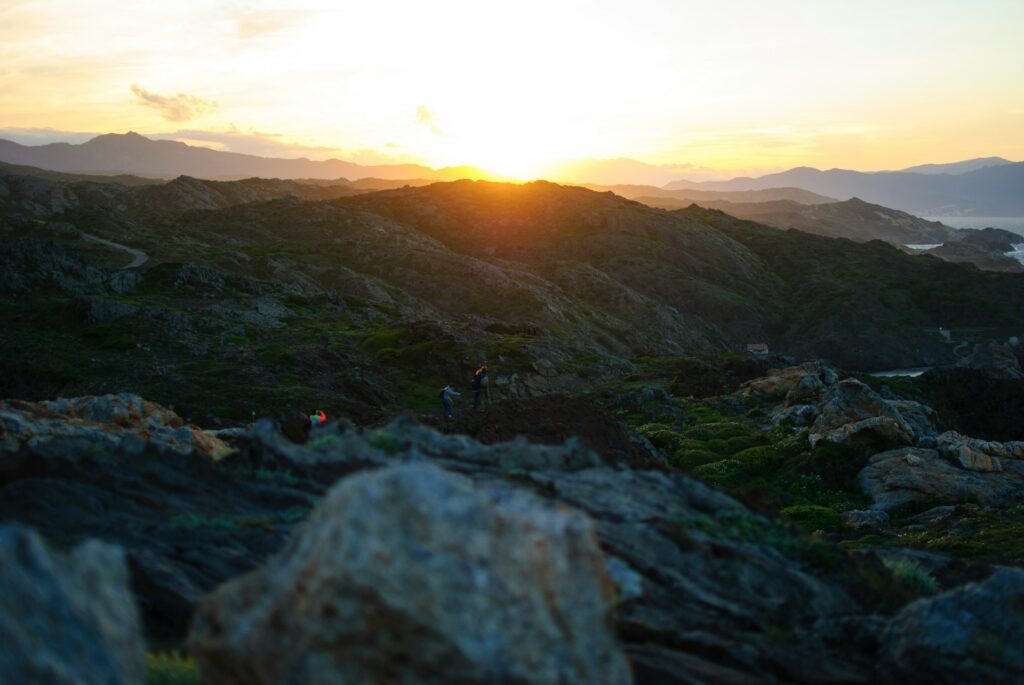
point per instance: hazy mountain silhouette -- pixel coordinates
(685, 197)
(131, 153)
(994, 189)
(957, 167)
(989, 191)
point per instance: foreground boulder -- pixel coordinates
(972, 634)
(66, 619)
(107, 419)
(413, 574)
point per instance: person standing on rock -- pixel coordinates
(446, 400)
(480, 385)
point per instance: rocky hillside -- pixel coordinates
(519, 560)
(870, 306)
(853, 219)
(368, 303)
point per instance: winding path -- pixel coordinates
(138, 256)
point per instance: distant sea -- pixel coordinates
(1009, 223)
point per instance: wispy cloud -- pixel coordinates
(426, 117)
(251, 142)
(180, 107)
(255, 23)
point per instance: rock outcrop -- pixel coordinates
(913, 476)
(850, 411)
(409, 571)
(995, 360)
(66, 618)
(969, 635)
(794, 384)
(840, 411)
(125, 421)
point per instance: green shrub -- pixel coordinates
(692, 458)
(416, 354)
(665, 440)
(910, 575)
(744, 442)
(386, 442)
(691, 444)
(721, 430)
(813, 517)
(387, 338)
(758, 457)
(171, 668)
(739, 524)
(193, 521)
(275, 474)
(110, 336)
(323, 443)
(718, 471)
(719, 446)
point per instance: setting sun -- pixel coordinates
(517, 88)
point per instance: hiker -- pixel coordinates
(317, 418)
(481, 385)
(446, 399)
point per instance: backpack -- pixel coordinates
(476, 381)
(442, 393)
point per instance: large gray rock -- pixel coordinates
(973, 634)
(412, 574)
(919, 417)
(689, 590)
(850, 411)
(66, 619)
(905, 476)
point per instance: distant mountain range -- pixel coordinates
(957, 167)
(862, 222)
(990, 186)
(131, 153)
(939, 190)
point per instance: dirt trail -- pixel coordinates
(138, 256)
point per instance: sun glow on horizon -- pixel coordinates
(518, 89)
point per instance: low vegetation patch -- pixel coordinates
(737, 524)
(171, 668)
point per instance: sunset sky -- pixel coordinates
(734, 86)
